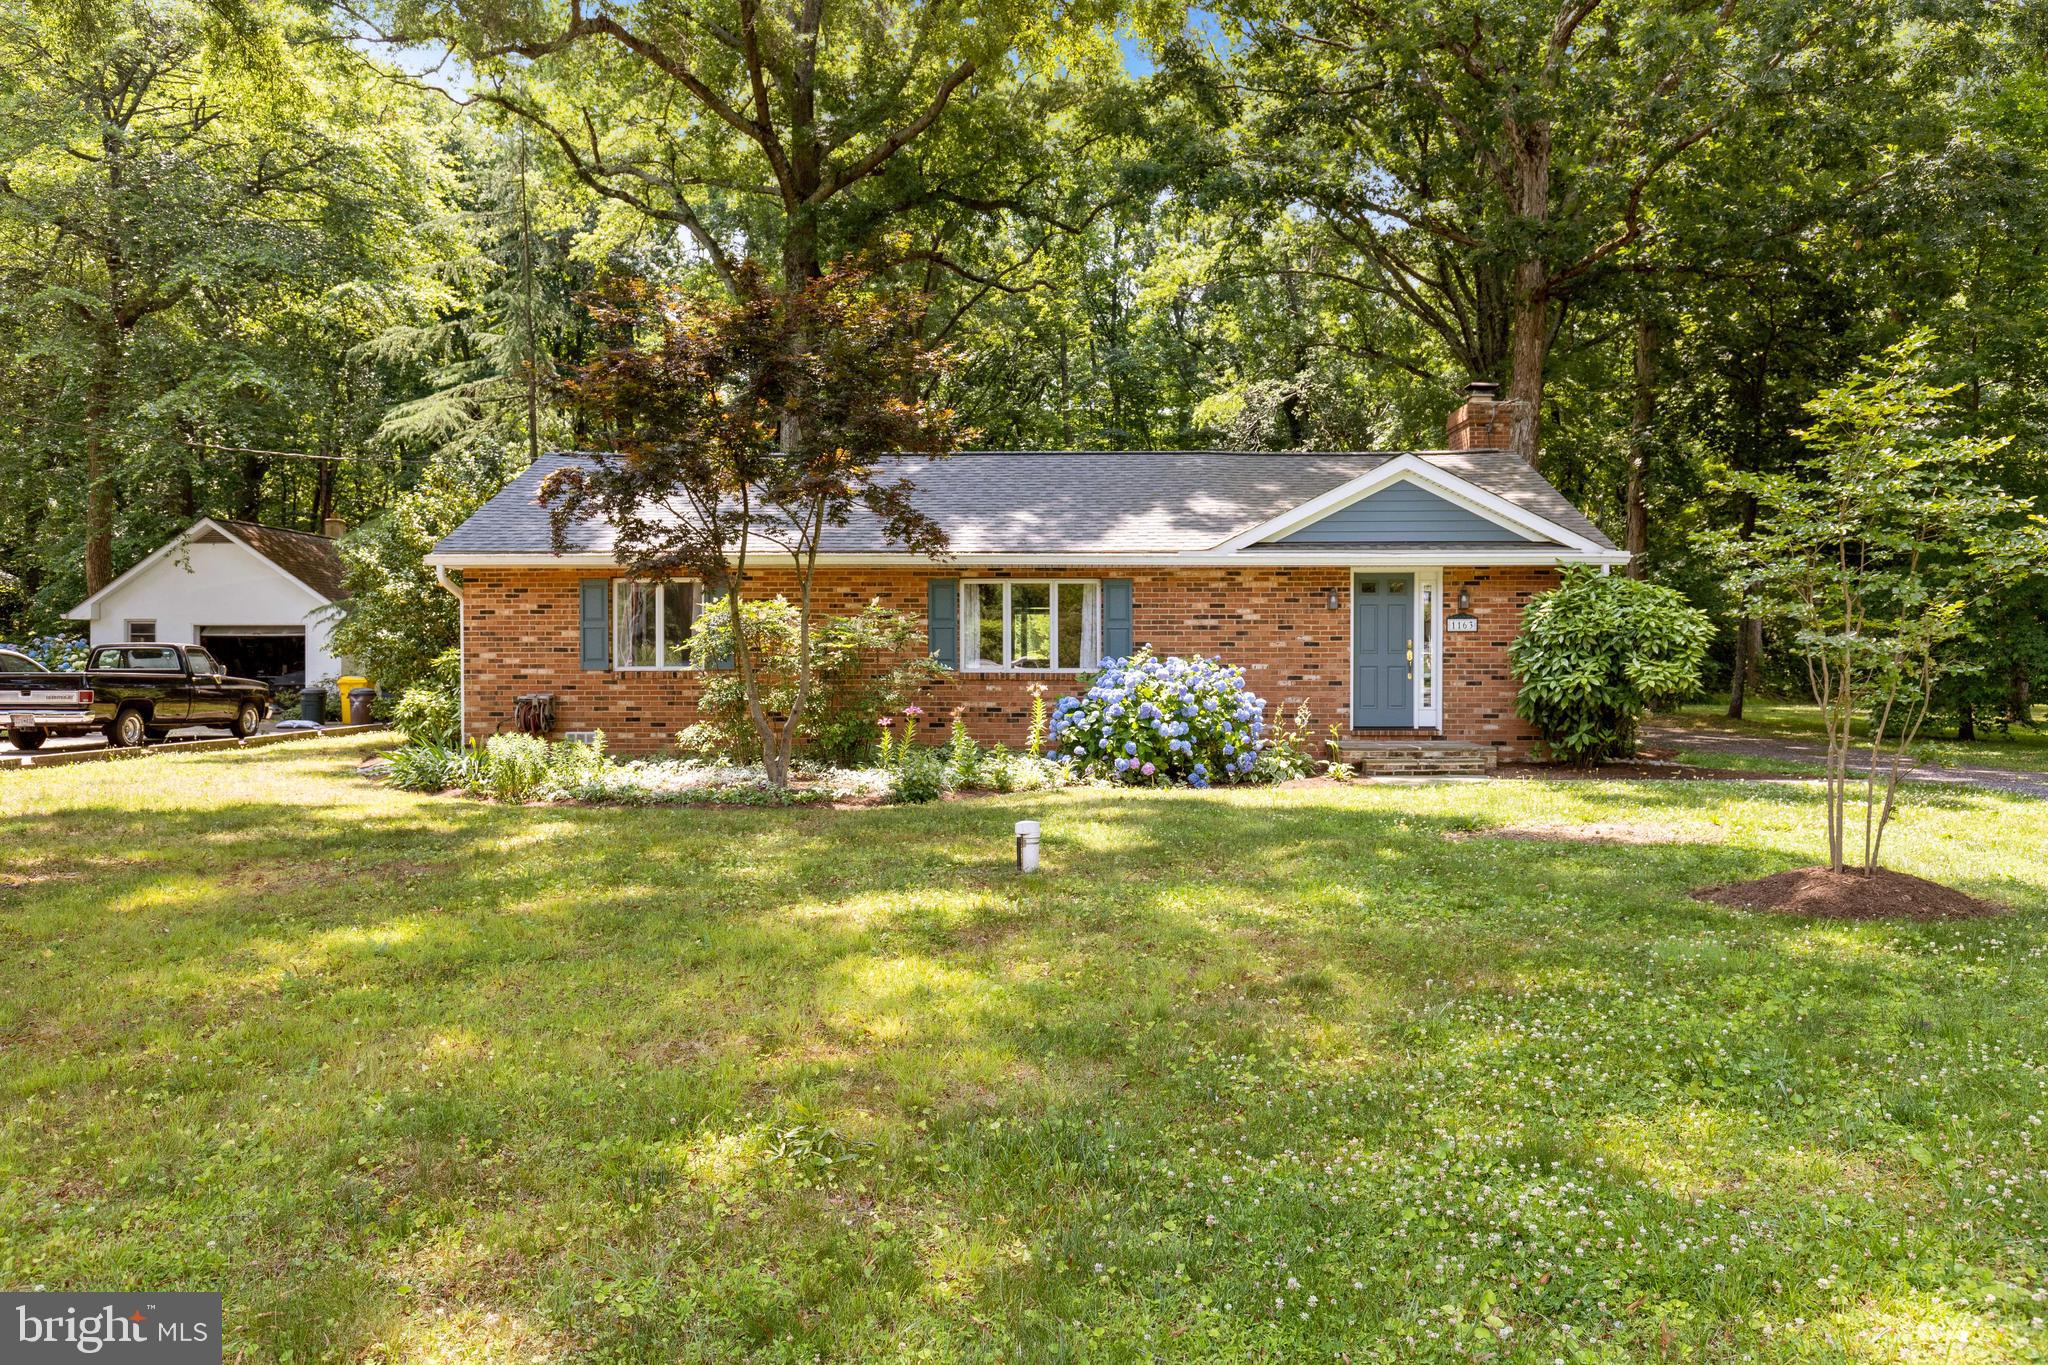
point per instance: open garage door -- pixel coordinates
(276, 654)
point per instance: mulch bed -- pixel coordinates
(1824, 894)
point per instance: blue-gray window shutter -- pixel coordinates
(597, 622)
(1116, 618)
(942, 620)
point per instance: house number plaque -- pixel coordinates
(1459, 622)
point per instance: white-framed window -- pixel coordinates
(1425, 696)
(1044, 624)
(142, 632)
(651, 623)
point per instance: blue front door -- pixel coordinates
(1382, 651)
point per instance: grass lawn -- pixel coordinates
(1265, 1074)
(2019, 748)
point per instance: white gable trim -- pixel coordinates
(1413, 469)
(86, 610)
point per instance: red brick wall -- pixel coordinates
(1479, 693)
(521, 635)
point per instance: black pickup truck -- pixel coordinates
(131, 693)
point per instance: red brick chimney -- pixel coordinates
(1481, 423)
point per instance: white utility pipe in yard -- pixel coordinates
(1027, 846)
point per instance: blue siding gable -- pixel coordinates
(1401, 513)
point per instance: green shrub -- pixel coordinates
(431, 712)
(574, 763)
(512, 767)
(919, 776)
(1594, 652)
(862, 666)
(423, 766)
(1288, 751)
(964, 758)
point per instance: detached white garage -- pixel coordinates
(259, 599)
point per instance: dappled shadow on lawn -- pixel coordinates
(663, 1083)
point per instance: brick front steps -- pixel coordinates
(1416, 757)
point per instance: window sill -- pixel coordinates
(1024, 672)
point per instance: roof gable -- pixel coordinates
(1402, 513)
(311, 562)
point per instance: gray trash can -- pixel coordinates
(359, 699)
(313, 704)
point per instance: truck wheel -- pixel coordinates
(246, 720)
(128, 730)
(28, 740)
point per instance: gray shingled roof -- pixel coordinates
(1069, 502)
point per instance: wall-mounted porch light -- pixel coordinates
(1333, 601)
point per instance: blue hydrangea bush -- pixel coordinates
(1156, 722)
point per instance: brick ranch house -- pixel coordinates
(1382, 589)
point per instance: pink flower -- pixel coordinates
(884, 722)
(913, 710)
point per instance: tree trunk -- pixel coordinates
(1529, 348)
(108, 356)
(2019, 702)
(249, 495)
(1966, 722)
(1637, 537)
(1738, 672)
(1749, 631)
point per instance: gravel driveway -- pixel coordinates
(1706, 739)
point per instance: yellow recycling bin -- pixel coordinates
(348, 704)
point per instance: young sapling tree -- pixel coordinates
(1870, 556)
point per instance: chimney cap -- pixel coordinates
(1482, 388)
(334, 528)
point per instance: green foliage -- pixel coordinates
(200, 222)
(862, 666)
(965, 759)
(427, 766)
(511, 767)
(918, 776)
(507, 767)
(396, 621)
(1289, 750)
(1872, 556)
(430, 712)
(1595, 651)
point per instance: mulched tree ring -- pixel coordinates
(1824, 894)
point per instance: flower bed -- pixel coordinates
(1144, 721)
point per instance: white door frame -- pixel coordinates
(1428, 625)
